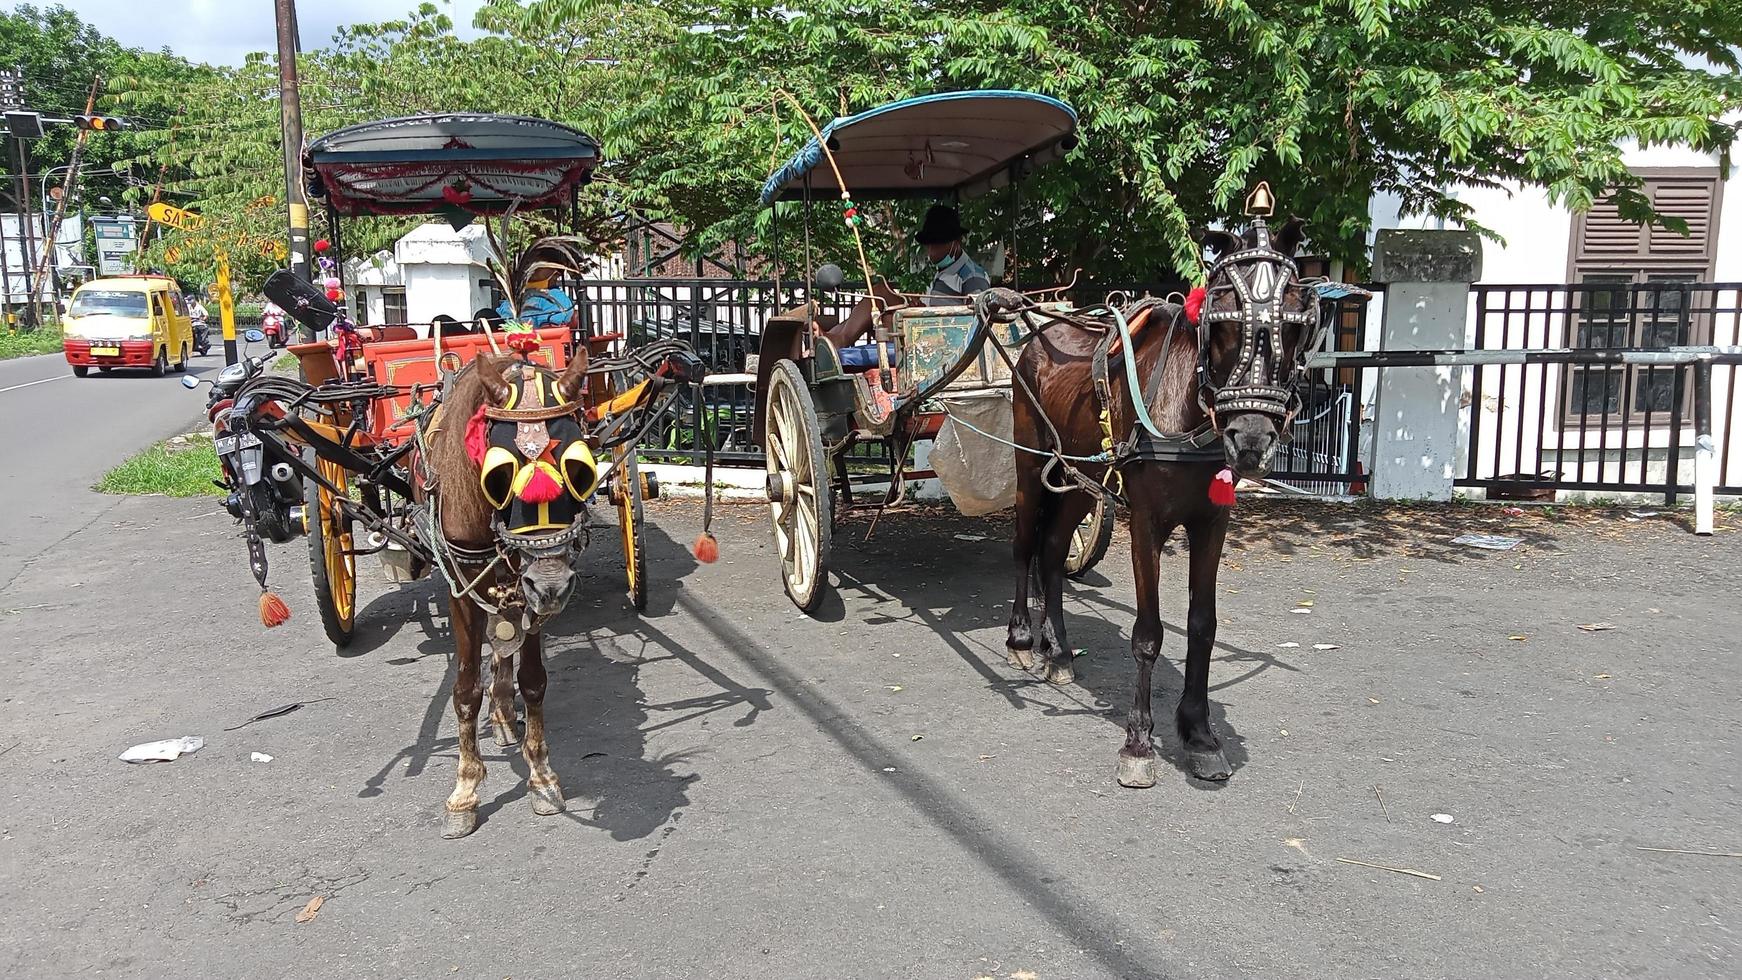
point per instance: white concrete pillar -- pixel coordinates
(1427, 276)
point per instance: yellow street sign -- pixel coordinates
(172, 255)
(174, 217)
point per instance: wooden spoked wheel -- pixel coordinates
(631, 521)
(330, 554)
(1090, 540)
(798, 491)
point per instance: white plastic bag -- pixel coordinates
(163, 750)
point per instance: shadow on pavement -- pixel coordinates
(597, 717)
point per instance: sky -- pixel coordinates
(225, 31)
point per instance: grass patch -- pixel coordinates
(286, 364)
(168, 469)
(25, 343)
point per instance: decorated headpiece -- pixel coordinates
(535, 467)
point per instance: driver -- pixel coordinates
(955, 278)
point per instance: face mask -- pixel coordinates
(946, 261)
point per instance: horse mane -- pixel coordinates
(1176, 408)
(465, 514)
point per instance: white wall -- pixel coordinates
(441, 270)
(1534, 250)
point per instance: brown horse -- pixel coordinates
(1230, 379)
(506, 552)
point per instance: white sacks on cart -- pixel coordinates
(979, 473)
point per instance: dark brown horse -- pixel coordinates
(1229, 379)
(506, 553)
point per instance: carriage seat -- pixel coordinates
(383, 334)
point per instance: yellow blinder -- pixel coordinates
(580, 470)
(497, 476)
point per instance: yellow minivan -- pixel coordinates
(128, 321)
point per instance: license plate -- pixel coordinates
(229, 444)
(106, 351)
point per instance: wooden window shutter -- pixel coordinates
(1608, 236)
(1690, 201)
(1604, 240)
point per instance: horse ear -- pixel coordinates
(1217, 241)
(496, 388)
(573, 377)
(1290, 237)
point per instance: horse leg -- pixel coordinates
(1203, 749)
(462, 806)
(541, 781)
(1053, 658)
(1031, 500)
(1137, 758)
(502, 689)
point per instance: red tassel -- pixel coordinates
(1222, 488)
(321, 244)
(457, 196)
(1195, 304)
(273, 611)
(540, 488)
(477, 436)
(706, 548)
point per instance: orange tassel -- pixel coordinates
(273, 611)
(706, 548)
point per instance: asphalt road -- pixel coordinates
(59, 435)
(872, 792)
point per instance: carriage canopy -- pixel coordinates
(478, 163)
(954, 143)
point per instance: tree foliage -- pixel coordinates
(1183, 104)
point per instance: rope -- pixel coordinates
(1130, 359)
(1101, 457)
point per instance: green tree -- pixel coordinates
(1183, 106)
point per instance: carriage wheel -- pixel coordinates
(630, 520)
(798, 492)
(1090, 540)
(330, 560)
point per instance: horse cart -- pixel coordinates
(931, 374)
(340, 454)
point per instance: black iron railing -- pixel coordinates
(1553, 425)
(723, 318)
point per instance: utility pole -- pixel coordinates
(11, 98)
(290, 103)
(27, 218)
(69, 188)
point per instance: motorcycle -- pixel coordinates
(202, 338)
(267, 492)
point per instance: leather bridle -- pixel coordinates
(1259, 277)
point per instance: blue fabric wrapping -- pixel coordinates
(863, 357)
(542, 308)
(1339, 290)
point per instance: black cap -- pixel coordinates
(942, 224)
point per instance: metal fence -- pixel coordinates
(1533, 429)
(723, 318)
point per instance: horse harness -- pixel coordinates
(533, 407)
(1259, 277)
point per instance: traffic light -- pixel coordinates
(102, 124)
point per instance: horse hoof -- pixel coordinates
(1136, 772)
(459, 824)
(1019, 658)
(1212, 765)
(547, 800)
(1061, 673)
